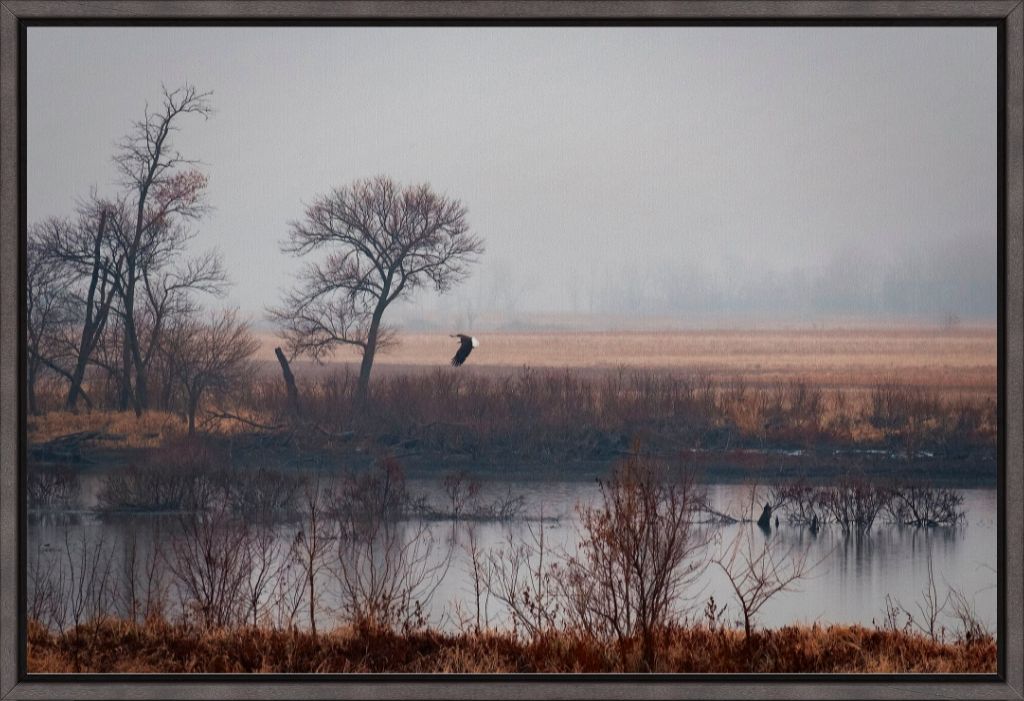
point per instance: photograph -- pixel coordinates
(512, 349)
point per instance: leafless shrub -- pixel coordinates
(49, 487)
(519, 575)
(265, 562)
(757, 571)
(931, 605)
(478, 576)
(287, 593)
(854, 503)
(461, 490)
(143, 590)
(640, 557)
(265, 495)
(178, 477)
(507, 507)
(801, 502)
(312, 542)
(905, 414)
(971, 629)
(210, 566)
(44, 584)
(385, 566)
(924, 505)
(150, 488)
(714, 614)
(892, 612)
(90, 588)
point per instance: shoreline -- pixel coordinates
(978, 470)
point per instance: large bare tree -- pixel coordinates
(84, 253)
(382, 241)
(165, 193)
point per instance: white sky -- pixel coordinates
(699, 174)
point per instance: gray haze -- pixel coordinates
(698, 176)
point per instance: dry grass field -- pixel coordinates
(114, 646)
(962, 360)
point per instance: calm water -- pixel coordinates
(850, 584)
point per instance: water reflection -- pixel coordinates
(849, 585)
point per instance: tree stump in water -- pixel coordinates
(765, 521)
(289, 381)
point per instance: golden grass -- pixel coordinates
(962, 360)
(150, 430)
(124, 429)
(116, 646)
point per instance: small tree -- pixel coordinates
(208, 357)
(383, 241)
(210, 563)
(641, 554)
(757, 571)
(312, 541)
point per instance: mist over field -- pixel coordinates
(620, 177)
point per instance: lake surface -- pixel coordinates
(854, 574)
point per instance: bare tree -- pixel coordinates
(84, 248)
(478, 574)
(313, 540)
(383, 241)
(209, 560)
(48, 309)
(165, 192)
(756, 571)
(520, 576)
(209, 356)
(932, 605)
(265, 566)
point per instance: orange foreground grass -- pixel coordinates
(962, 360)
(122, 647)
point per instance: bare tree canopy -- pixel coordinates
(211, 356)
(383, 241)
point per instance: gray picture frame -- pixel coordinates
(1008, 15)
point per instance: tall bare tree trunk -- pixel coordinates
(94, 322)
(369, 351)
(124, 384)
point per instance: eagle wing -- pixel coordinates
(465, 348)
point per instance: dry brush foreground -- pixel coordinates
(160, 647)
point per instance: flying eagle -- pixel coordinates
(467, 344)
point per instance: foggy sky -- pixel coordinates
(707, 176)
